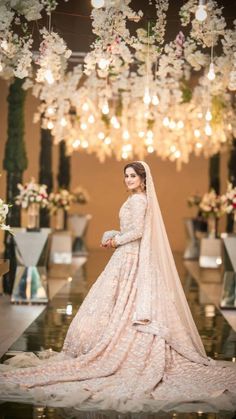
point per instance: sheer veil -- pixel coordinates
(161, 305)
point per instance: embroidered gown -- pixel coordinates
(106, 362)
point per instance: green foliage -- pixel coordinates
(15, 159)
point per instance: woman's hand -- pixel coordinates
(109, 244)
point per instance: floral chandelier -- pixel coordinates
(135, 95)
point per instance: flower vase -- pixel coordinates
(212, 226)
(60, 219)
(33, 216)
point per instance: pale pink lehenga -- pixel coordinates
(110, 361)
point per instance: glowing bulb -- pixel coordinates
(180, 124)
(197, 133)
(50, 125)
(126, 135)
(50, 110)
(147, 98)
(127, 147)
(208, 116)
(149, 141)
(85, 107)
(141, 134)
(85, 144)
(83, 126)
(172, 124)
(172, 148)
(198, 145)
(201, 13)
(76, 143)
(97, 3)
(69, 309)
(177, 154)
(91, 119)
(107, 140)
(103, 63)
(105, 108)
(211, 73)
(49, 76)
(208, 130)
(150, 133)
(155, 100)
(63, 122)
(124, 155)
(101, 135)
(199, 115)
(115, 122)
(166, 121)
(150, 149)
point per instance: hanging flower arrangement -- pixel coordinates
(211, 205)
(229, 199)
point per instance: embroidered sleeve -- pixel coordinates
(137, 208)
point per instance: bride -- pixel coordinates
(133, 344)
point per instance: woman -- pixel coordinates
(133, 344)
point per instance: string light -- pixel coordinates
(197, 133)
(107, 140)
(147, 98)
(76, 143)
(150, 149)
(83, 126)
(126, 135)
(101, 135)
(105, 108)
(201, 13)
(85, 144)
(141, 134)
(91, 119)
(208, 130)
(166, 121)
(50, 110)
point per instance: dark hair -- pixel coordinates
(139, 170)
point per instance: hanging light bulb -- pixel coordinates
(91, 119)
(201, 13)
(141, 134)
(208, 116)
(211, 73)
(85, 106)
(198, 145)
(208, 130)
(172, 148)
(107, 140)
(172, 124)
(63, 122)
(50, 110)
(105, 108)
(103, 63)
(85, 144)
(49, 76)
(150, 149)
(180, 124)
(76, 143)
(126, 135)
(97, 4)
(177, 154)
(197, 133)
(50, 125)
(166, 121)
(83, 126)
(147, 98)
(155, 100)
(124, 155)
(101, 135)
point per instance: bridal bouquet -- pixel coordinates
(211, 205)
(32, 193)
(229, 199)
(61, 199)
(80, 195)
(4, 208)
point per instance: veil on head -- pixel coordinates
(161, 305)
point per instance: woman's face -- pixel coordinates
(132, 180)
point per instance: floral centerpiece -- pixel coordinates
(212, 209)
(32, 196)
(80, 195)
(4, 208)
(59, 203)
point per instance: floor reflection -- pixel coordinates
(49, 330)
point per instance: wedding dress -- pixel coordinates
(133, 345)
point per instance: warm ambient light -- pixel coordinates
(147, 98)
(201, 13)
(98, 3)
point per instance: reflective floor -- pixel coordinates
(49, 330)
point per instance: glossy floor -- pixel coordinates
(49, 330)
